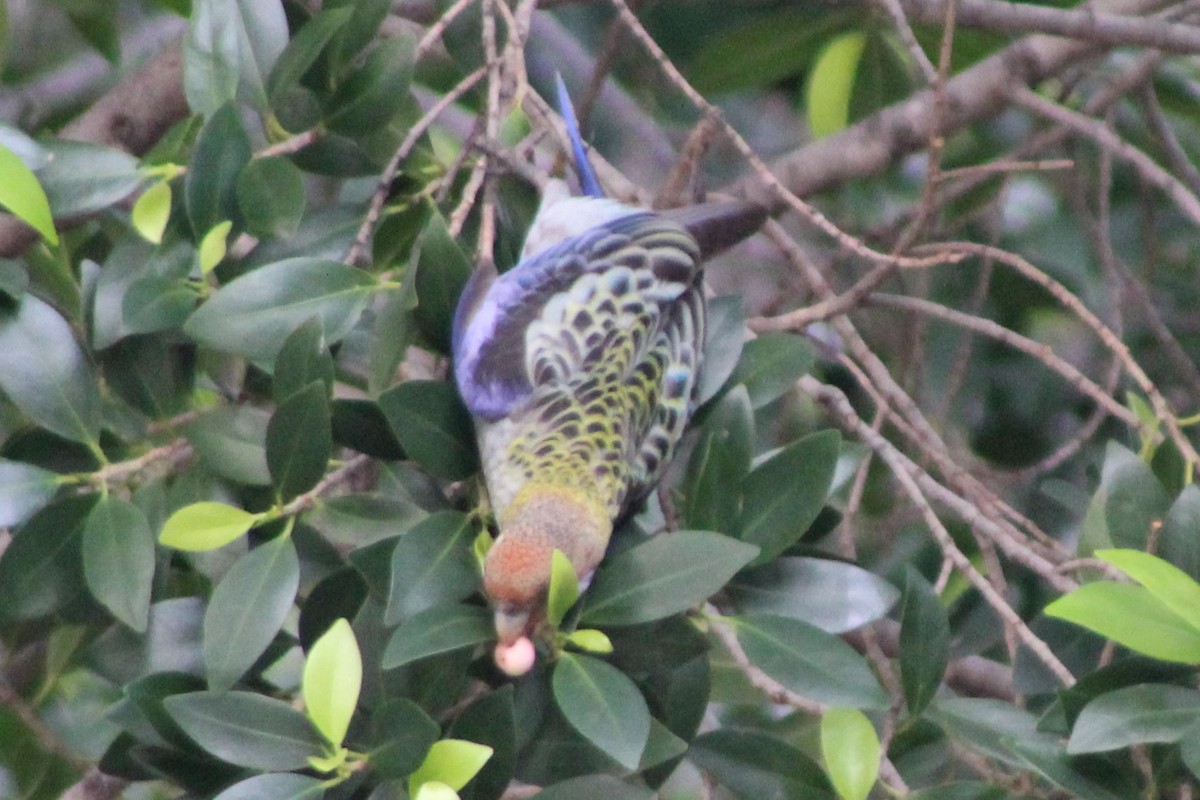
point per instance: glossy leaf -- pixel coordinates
(432, 565)
(299, 441)
(247, 729)
(252, 315)
(441, 273)
(832, 595)
(1179, 543)
(432, 426)
(452, 762)
(230, 49)
(275, 786)
(924, 642)
(82, 178)
(304, 49)
(24, 489)
(270, 196)
(603, 705)
(1135, 715)
(1134, 500)
(40, 570)
(151, 211)
(831, 83)
(600, 786)
(118, 559)
(590, 640)
(403, 733)
(375, 91)
(440, 629)
(45, 373)
(22, 195)
(222, 150)
(205, 526)
(1131, 616)
(1046, 756)
(719, 464)
(154, 303)
(333, 676)
(724, 338)
(304, 358)
(1169, 584)
(490, 721)
(783, 495)
(564, 588)
(809, 662)
(770, 366)
(665, 575)
(754, 764)
(247, 609)
(232, 442)
(850, 748)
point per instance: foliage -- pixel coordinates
(242, 512)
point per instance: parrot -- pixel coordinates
(580, 367)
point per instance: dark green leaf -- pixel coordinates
(275, 786)
(665, 575)
(809, 661)
(361, 519)
(84, 178)
(361, 425)
(719, 464)
(724, 339)
(984, 725)
(607, 787)
(247, 609)
(1134, 499)
(221, 152)
(924, 642)
(403, 733)
(490, 721)
(150, 374)
(247, 729)
(270, 196)
(40, 571)
(441, 629)
(232, 441)
(603, 705)
(304, 358)
(45, 373)
(783, 495)
(433, 427)
(230, 49)
(1179, 543)
(304, 49)
(1045, 754)
(432, 565)
(1154, 712)
(832, 595)
(359, 32)
(253, 315)
(442, 270)
(171, 643)
(14, 279)
(24, 489)
(770, 365)
(374, 93)
(118, 559)
(154, 304)
(757, 765)
(299, 441)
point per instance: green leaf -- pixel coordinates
(247, 609)
(1179, 543)
(153, 304)
(118, 559)
(1131, 616)
(831, 83)
(84, 178)
(850, 748)
(1133, 715)
(22, 195)
(435, 790)
(1169, 584)
(45, 373)
(723, 342)
(213, 247)
(564, 588)
(924, 642)
(231, 47)
(433, 427)
(270, 195)
(299, 441)
(1046, 756)
(333, 676)
(595, 786)
(770, 366)
(375, 92)
(253, 315)
(783, 495)
(436, 630)
(452, 762)
(24, 489)
(754, 765)
(205, 526)
(304, 49)
(432, 565)
(14, 279)
(442, 270)
(491, 721)
(603, 705)
(809, 662)
(40, 570)
(719, 464)
(303, 358)
(209, 188)
(232, 443)
(832, 595)
(665, 575)
(275, 786)
(1134, 499)
(404, 734)
(590, 640)
(151, 211)
(247, 729)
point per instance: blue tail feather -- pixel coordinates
(587, 175)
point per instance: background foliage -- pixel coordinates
(934, 532)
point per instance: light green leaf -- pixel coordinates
(591, 640)
(1131, 616)
(213, 247)
(332, 680)
(435, 790)
(850, 748)
(1169, 584)
(831, 83)
(206, 526)
(604, 705)
(452, 762)
(151, 211)
(564, 588)
(22, 195)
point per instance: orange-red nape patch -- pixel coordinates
(517, 570)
